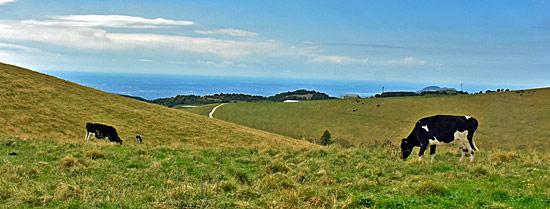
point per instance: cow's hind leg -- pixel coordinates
(464, 151)
(469, 149)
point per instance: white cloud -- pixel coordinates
(225, 63)
(144, 60)
(82, 33)
(18, 47)
(111, 21)
(339, 60)
(405, 61)
(6, 1)
(232, 32)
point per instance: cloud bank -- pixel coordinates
(339, 60)
(87, 32)
(231, 32)
(6, 1)
(95, 33)
(405, 61)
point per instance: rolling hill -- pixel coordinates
(191, 161)
(508, 120)
(38, 106)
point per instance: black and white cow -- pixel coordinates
(138, 138)
(101, 131)
(441, 129)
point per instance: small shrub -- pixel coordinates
(325, 139)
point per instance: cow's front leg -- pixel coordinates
(422, 150)
(432, 152)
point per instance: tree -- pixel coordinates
(325, 139)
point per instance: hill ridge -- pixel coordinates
(40, 106)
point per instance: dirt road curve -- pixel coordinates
(214, 110)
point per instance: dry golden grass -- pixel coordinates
(507, 120)
(38, 106)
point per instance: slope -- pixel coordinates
(38, 106)
(508, 120)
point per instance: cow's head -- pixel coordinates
(119, 140)
(406, 148)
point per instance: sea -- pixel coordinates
(152, 86)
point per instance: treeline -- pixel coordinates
(203, 100)
(233, 98)
(410, 93)
(299, 95)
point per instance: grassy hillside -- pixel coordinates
(507, 120)
(43, 173)
(38, 106)
(191, 161)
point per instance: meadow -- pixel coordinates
(191, 161)
(507, 120)
(44, 173)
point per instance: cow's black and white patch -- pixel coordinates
(441, 129)
(101, 131)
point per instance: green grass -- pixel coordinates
(507, 120)
(46, 173)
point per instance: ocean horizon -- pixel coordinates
(154, 86)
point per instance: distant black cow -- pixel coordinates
(440, 129)
(101, 131)
(138, 138)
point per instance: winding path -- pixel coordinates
(211, 114)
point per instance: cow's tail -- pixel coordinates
(473, 128)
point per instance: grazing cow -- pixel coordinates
(101, 131)
(138, 138)
(440, 129)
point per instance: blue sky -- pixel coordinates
(504, 43)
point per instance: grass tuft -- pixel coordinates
(95, 154)
(503, 156)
